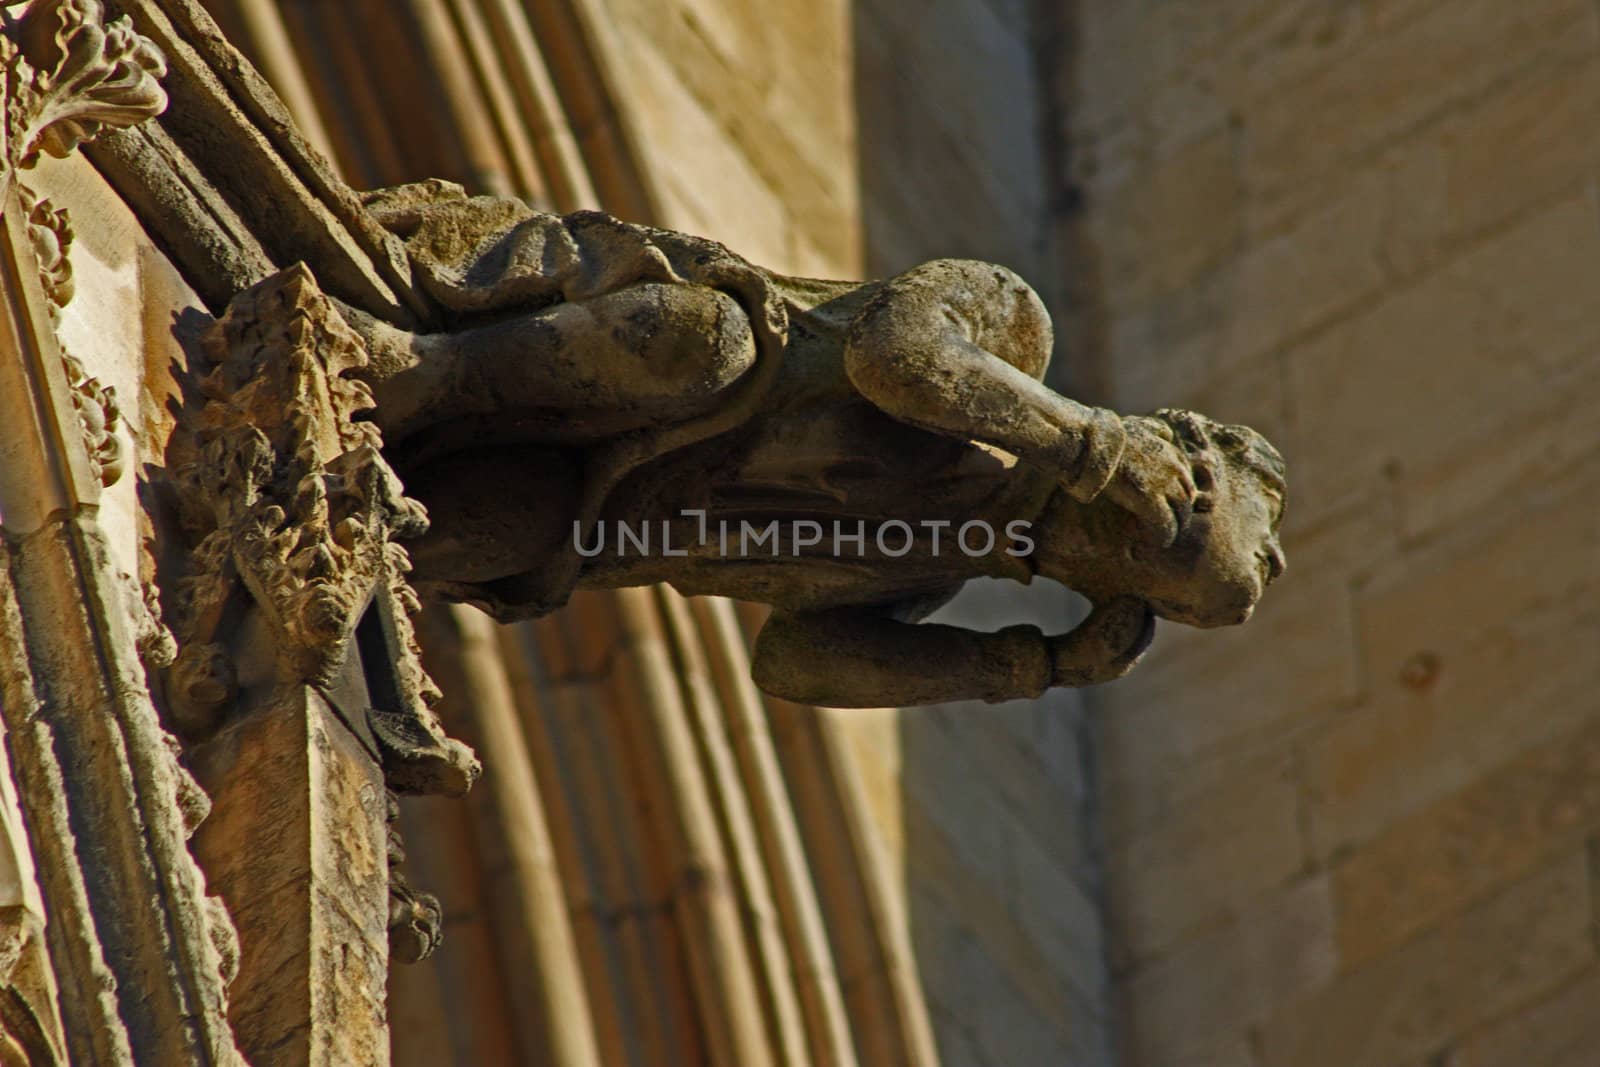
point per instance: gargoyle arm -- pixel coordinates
(856, 658)
(960, 347)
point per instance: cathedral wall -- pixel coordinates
(1360, 830)
(744, 115)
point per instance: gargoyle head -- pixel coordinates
(1225, 554)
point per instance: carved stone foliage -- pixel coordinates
(50, 233)
(297, 501)
(68, 75)
(98, 414)
(295, 508)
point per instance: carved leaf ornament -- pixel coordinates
(67, 77)
(100, 76)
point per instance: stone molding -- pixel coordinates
(106, 806)
(69, 75)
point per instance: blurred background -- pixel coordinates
(1360, 831)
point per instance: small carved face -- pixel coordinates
(1227, 553)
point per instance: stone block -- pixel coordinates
(1279, 43)
(995, 749)
(1249, 392)
(968, 950)
(708, 185)
(1505, 320)
(1400, 79)
(1447, 855)
(1056, 910)
(1561, 1031)
(1469, 651)
(1295, 280)
(1538, 442)
(1196, 1007)
(1007, 1032)
(1175, 218)
(1186, 106)
(734, 62)
(980, 1017)
(1348, 538)
(1163, 350)
(948, 133)
(1406, 1005)
(968, 71)
(934, 776)
(1114, 64)
(1517, 148)
(1214, 856)
(1209, 702)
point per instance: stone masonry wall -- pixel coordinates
(745, 116)
(1362, 830)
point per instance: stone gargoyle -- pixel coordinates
(609, 405)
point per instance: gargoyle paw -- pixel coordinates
(1105, 646)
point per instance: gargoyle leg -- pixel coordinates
(644, 355)
(856, 658)
(853, 658)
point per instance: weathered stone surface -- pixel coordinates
(296, 845)
(1440, 860)
(1502, 682)
(1381, 91)
(1188, 205)
(1560, 1031)
(1163, 753)
(1047, 956)
(1226, 846)
(1486, 165)
(1540, 438)
(706, 77)
(1300, 278)
(1403, 1006)
(1195, 1006)
(1504, 318)
(1408, 290)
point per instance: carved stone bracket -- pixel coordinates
(298, 519)
(296, 508)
